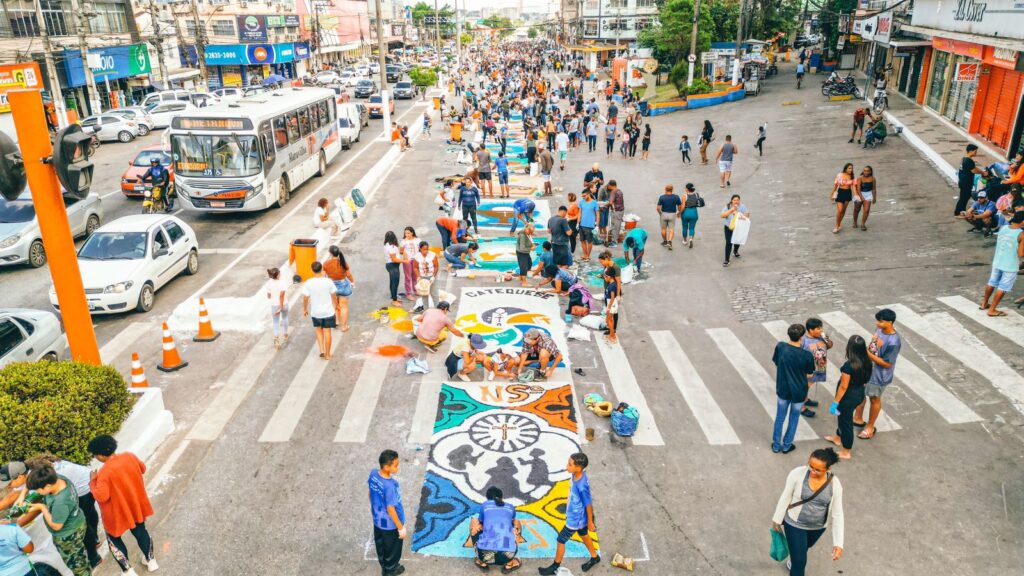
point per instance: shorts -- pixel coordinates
(328, 322)
(868, 197)
(725, 165)
(844, 195)
(546, 176)
(560, 254)
(1002, 280)
(858, 123)
(799, 75)
(562, 155)
(668, 221)
(586, 235)
(503, 178)
(485, 175)
(566, 533)
(602, 220)
(874, 390)
(343, 288)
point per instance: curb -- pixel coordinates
(147, 426)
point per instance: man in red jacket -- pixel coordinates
(119, 489)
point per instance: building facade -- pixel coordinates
(616, 21)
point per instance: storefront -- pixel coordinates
(247, 64)
(953, 79)
(999, 97)
(119, 72)
(908, 58)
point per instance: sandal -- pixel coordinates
(512, 566)
(481, 565)
(865, 436)
(996, 314)
(859, 424)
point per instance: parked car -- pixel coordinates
(203, 99)
(131, 180)
(376, 108)
(349, 124)
(125, 262)
(806, 41)
(363, 71)
(327, 77)
(364, 113)
(165, 96)
(163, 112)
(21, 242)
(111, 128)
(229, 94)
(374, 68)
(136, 115)
(30, 335)
(365, 88)
(406, 90)
(253, 91)
(393, 73)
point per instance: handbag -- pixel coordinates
(700, 201)
(780, 547)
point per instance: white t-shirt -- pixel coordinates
(319, 290)
(562, 142)
(411, 247)
(78, 474)
(274, 290)
(318, 214)
(390, 250)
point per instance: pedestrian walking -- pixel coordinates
(15, 546)
(394, 258)
(684, 148)
(410, 245)
(609, 137)
(524, 251)
(562, 146)
(668, 208)
(501, 166)
(811, 501)
(627, 133)
(883, 350)
(706, 135)
(818, 344)
(842, 194)
(63, 518)
(427, 123)
(965, 178)
(323, 220)
(560, 233)
(469, 201)
(645, 143)
(579, 516)
(336, 269)
(483, 158)
(691, 203)
(616, 212)
(318, 295)
(613, 301)
(79, 476)
(1005, 265)
(854, 374)
(588, 210)
(547, 162)
(762, 133)
(725, 157)
(120, 490)
(867, 195)
(388, 514)
(793, 365)
(733, 212)
(277, 288)
(495, 532)
(591, 135)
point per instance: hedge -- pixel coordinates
(59, 407)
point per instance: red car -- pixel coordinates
(131, 181)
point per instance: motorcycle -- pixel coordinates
(835, 79)
(843, 90)
(881, 101)
(155, 199)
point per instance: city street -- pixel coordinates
(266, 470)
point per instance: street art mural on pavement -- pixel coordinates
(497, 214)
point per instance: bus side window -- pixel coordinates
(303, 122)
(293, 127)
(314, 116)
(332, 109)
(268, 148)
(324, 114)
(280, 132)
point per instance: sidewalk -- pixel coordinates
(939, 141)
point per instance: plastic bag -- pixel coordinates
(416, 366)
(592, 322)
(625, 420)
(780, 548)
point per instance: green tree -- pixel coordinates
(724, 13)
(769, 17)
(423, 77)
(830, 22)
(422, 10)
(670, 39)
(466, 38)
(532, 32)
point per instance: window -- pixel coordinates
(645, 3)
(280, 132)
(191, 28)
(325, 113)
(27, 326)
(174, 232)
(293, 127)
(10, 336)
(314, 116)
(223, 28)
(590, 27)
(160, 242)
(617, 3)
(109, 119)
(591, 5)
(110, 18)
(642, 23)
(268, 147)
(303, 123)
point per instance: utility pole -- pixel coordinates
(51, 70)
(200, 43)
(458, 38)
(81, 21)
(693, 40)
(382, 62)
(158, 39)
(437, 31)
(739, 41)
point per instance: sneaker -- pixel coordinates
(591, 563)
(807, 413)
(417, 310)
(725, 264)
(736, 256)
(463, 377)
(151, 565)
(850, 141)
(728, 182)
(548, 570)
(788, 450)
(669, 245)
(691, 243)
(811, 403)
(776, 449)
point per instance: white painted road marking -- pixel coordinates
(755, 376)
(1010, 326)
(286, 417)
(422, 428)
(934, 394)
(362, 403)
(627, 390)
(125, 338)
(705, 410)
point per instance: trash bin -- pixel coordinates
(456, 134)
(437, 102)
(301, 257)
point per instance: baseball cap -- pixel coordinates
(11, 471)
(531, 334)
(477, 342)
(982, 194)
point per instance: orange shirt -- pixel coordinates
(1018, 176)
(573, 213)
(333, 269)
(396, 134)
(450, 224)
(121, 493)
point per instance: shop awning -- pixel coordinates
(1008, 43)
(340, 47)
(908, 42)
(594, 47)
(183, 74)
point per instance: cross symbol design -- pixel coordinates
(504, 429)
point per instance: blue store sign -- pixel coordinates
(111, 63)
(242, 54)
(301, 50)
(252, 28)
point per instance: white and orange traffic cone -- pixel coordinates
(172, 361)
(138, 374)
(206, 333)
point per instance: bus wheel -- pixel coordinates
(284, 192)
(323, 164)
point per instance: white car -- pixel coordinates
(163, 112)
(30, 335)
(348, 78)
(111, 128)
(228, 94)
(21, 240)
(327, 77)
(125, 262)
(136, 115)
(363, 71)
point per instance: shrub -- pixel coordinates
(423, 77)
(700, 86)
(677, 76)
(59, 407)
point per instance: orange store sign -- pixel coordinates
(969, 49)
(967, 72)
(15, 77)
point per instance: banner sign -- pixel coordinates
(16, 77)
(967, 71)
(113, 63)
(241, 54)
(252, 28)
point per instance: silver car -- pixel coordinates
(111, 127)
(138, 115)
(21, 242)
(30, 335)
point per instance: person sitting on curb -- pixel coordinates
(981, 215)
(541, 348)
(433, 326)
(466, 353)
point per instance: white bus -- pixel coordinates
(251, 154)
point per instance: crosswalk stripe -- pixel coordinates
(945, 332)
(627, 390)
(363, 401)
(1010, 326)
(422, 428)
(934, 394)
(289, 410)
(778, 328)
(754, 375)
(125, 338)
(705, 410)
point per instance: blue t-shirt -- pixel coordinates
(501, 163)
(792, 366)
(13, 562)
(639, 236)
(384, 493)
(588, 213)
(888, 348)
(982, 207)
(576, 507)
(547, 257)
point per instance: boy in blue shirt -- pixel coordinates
(579, 516)
(501, 164)
(388, 514)
(589, 209)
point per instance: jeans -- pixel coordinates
(469, 215)
(574, 226)
(119, 550)
(615, 225)
(760, 146)
(609, 145)
(592, 142)
(394, 276)
(689, 219)
(800, 541)
(279, 317)
(784, 408)
(446, 236)
(456, 263)
(734, 249)
(92, 520)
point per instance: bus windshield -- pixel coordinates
(226, 155)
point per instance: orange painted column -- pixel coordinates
(30, 124)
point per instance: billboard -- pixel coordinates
(252, 28)
(1000, 18)
(16, 77)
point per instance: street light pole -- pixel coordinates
(200, 43)
(739, 41)
(51, 70)
(158, 39)
(437, 31)
(382, 62)
(458, 38)
(693, 41)
(83, 48)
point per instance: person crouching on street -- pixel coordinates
(495, 533)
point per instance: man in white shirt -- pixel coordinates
(317, 302)
(562, 145)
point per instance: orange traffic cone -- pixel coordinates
(138, 374)
(172, 361)
(206, 333)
